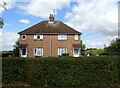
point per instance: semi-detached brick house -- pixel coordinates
(49, 38)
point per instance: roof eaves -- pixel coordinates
(48, 33)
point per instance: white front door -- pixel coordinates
(23, 52)
(76, 52)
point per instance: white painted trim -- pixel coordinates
(76, 37)
(64, 37)
(23, 38)
(35, 54)
(21, 52)
(76, 55)
(40, 35)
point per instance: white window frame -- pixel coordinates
(21, 52)
(76, 54)
(23, 38)
(62, 37)
(38, 51)
(76, 37)
(62, 51)
(36, 36)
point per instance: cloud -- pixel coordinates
(10, 4)
(7, 40)
(98, 42)
(42, 8)
(88, 16)
(94, 16)
(24, 21)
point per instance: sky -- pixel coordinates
(97, 20)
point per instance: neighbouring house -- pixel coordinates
(49, 38)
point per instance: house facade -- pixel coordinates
(49, 38)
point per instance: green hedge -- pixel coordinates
(62, 71)
(13, 70)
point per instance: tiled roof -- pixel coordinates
(45, 27)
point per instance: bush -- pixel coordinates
(62, 71)
(7, 54)
(65, 54)
(13, 70)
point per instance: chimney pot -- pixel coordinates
(51, 18)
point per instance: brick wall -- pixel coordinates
(46, 44)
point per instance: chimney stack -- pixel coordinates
(51, 18)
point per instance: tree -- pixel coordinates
(114, 46)
(1, 20)
(94, 51)
(82, 48)
(16, 49)
(1, 23)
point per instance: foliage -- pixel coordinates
(82, 48)
(62, 71)
(1, 23)
(65, 54)
(114, 46)
(1, 20)
(16, 49)
(7, 53)
(13, 70)
(95, 52)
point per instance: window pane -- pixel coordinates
(35, 36)
(23, 51)
(76, 37)
(76, 51)
(23, 37)
(62, 51)
(58, 51)
(35, 51)
(62, 37)
(41, 36)
(38, 36)
(39, 51)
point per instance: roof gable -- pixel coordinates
(44, 27)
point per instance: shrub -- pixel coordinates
(7, 54)
(65, 54)
(13, 70)
(62, 71)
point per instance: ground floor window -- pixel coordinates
(38, 51)
(62, 51)
(76, 52)
(23, 52)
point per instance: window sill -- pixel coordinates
(23, 39)
(38, 39)
(62, 39)
(38, 55)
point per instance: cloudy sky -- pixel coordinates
(96, 19)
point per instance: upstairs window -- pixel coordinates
(38, 37)
(62, 37)
(38, 52)
(76, 37)
(23, 37)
